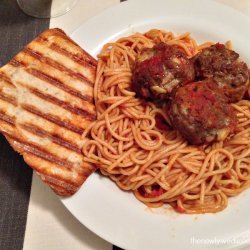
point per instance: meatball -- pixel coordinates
(199, 111)
(224, 66)
(158, 70)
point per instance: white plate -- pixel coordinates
(117, 216)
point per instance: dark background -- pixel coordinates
(16, 30)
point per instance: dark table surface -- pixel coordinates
(16, 30)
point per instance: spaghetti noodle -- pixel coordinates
(132, 143)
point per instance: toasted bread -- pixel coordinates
(46, 102)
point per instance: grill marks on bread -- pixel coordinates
(46, 102)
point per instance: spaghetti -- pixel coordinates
(132, 143)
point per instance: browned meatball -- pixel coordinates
(158, 70)
(224, 66)
(200, 112)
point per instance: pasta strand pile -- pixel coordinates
(152, 161)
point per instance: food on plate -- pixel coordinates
(46, 102)
(160, 69)
(225, 67)
(133, 141)
(47, 113)
(200, 112)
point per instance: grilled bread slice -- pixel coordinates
(46, 102)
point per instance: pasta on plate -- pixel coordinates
(132, 143)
